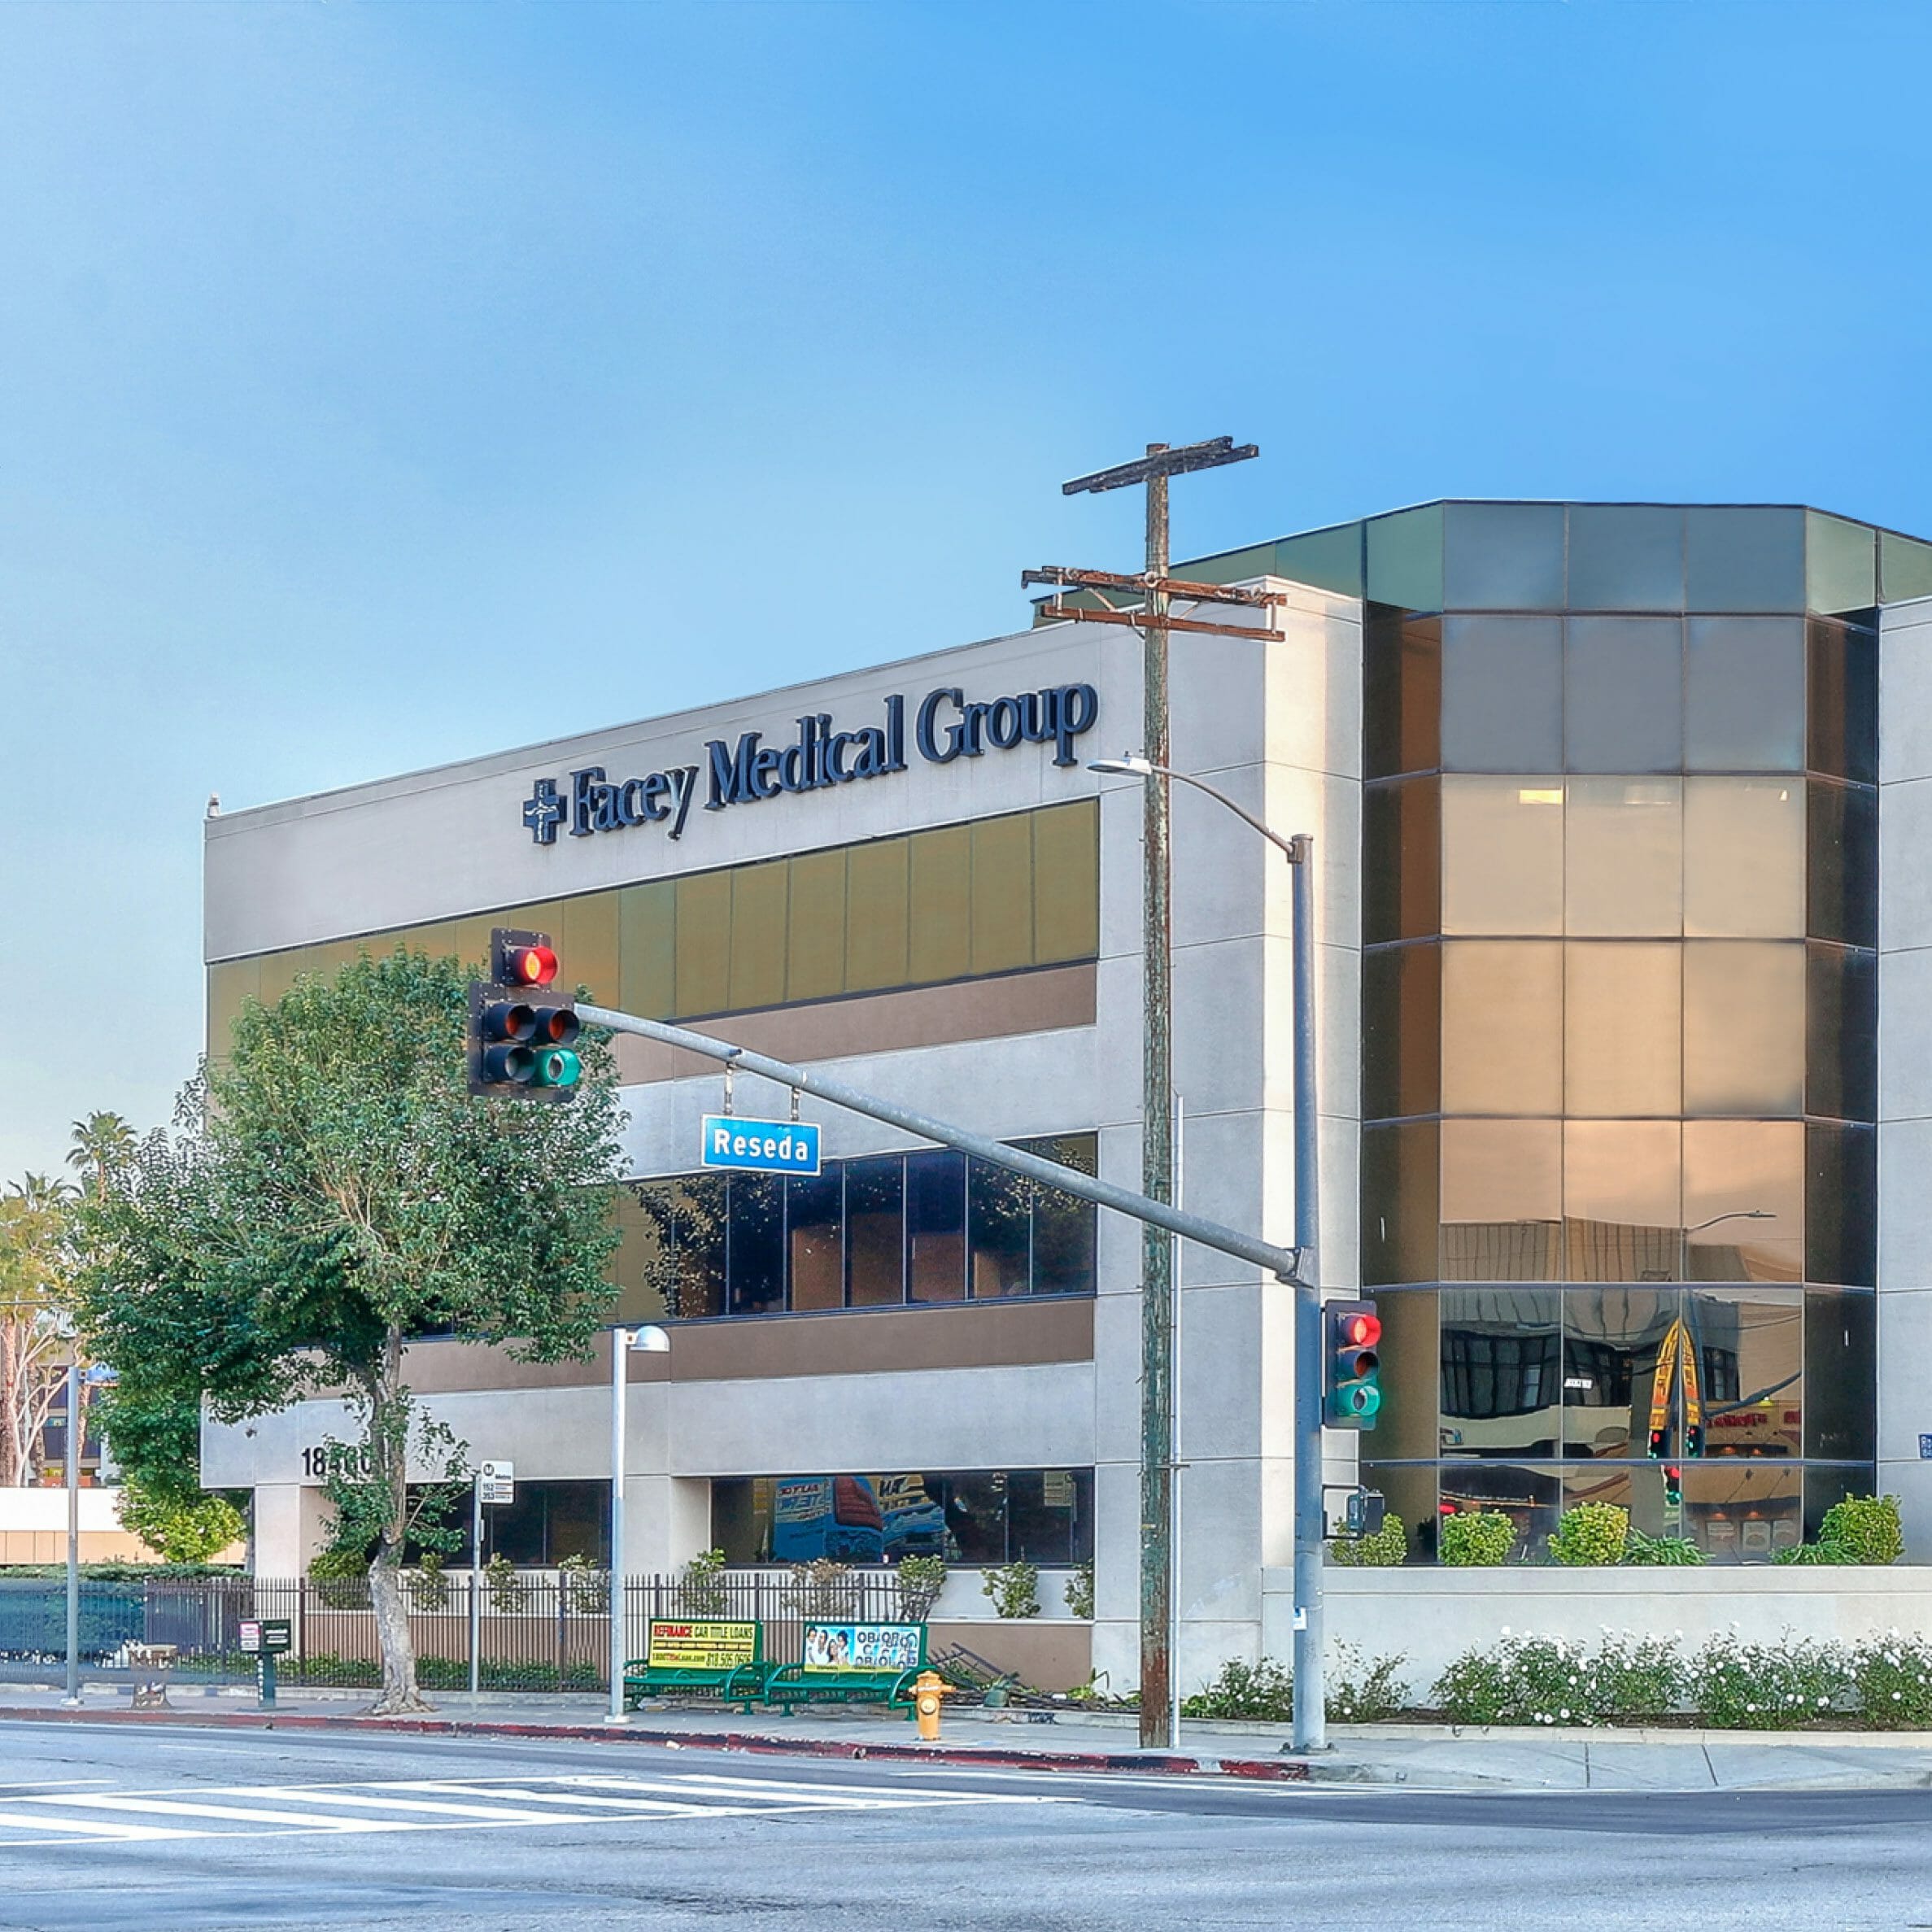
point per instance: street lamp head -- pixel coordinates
(651, 1339)
(1133, 765)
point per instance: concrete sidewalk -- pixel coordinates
(1415, 1756)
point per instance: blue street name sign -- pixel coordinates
(763, 1146)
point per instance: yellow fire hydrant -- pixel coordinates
(928, 1688)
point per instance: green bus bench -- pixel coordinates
(698, 1657)
(852, 1664)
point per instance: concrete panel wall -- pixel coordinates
(1905, 1063)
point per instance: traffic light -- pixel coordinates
(1660, 1442)
(1354, 1370)
(522, 1030)
(1693, 1438)
(1674, 1486)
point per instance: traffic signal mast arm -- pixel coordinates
(1283, 1264)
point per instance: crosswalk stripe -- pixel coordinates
(522, 1796)
(848, 1795)
(178, 1807)
(764, 1788)
(454, 1804)
(500, 1813)
(89, 1827)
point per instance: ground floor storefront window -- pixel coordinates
(972, 1517)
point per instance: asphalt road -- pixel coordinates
(172, 1827)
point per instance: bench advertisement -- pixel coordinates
(862, 1646)
(687, 1646)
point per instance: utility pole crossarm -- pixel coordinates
(1282, 1263)
(1210, 455)
(1186, 588)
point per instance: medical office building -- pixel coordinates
(1624, 954)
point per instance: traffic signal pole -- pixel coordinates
(1282, 1263)
(1311, 1691)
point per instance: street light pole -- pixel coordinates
(73, 1532)
(654, 1340)
(1311, 1719)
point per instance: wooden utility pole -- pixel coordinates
(1155, 591)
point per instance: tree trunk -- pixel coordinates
(400, 1697)
(389, 1452)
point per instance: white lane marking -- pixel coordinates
(41, 1784)
(495, 1813)
(794, 1797)
(874, 1794)
(669, 1807)
(181, 1808)
(90, 1828)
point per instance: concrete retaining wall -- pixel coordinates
(1432, 1614)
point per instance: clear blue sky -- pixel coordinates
(354, 356)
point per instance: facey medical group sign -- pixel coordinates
(946, 727)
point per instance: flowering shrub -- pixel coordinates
(1360, 1691)
(1893, 1677)
(1480, 1537)
(1592, 1533)
(1638, 1677)
(1524, 1679)
(1735, 1686)
(1364, 1690)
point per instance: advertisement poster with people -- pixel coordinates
(862, 1646)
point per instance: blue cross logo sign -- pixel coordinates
(543, 811)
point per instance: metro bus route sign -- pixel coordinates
(760, 1146)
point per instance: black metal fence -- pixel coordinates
(536, 1632)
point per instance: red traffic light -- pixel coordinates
(1359, 1330)
(531, 966)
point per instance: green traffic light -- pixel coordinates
(556, 1068)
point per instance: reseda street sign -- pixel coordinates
(760, 1146)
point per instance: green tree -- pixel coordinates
(36, 1301)
(180, 1530)
(332, 1190)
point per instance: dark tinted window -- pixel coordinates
(1623, 694)
(1402, 692)
(1502, 556)
(1744, 681)
(1402, 1000)
(1842, 836)
(1841, 1009)
(1626, 556)
(1842, 701)
(1841, 1373)
(1744, 559)
(1401, 836)
(1841, 1203)
(1502, 694)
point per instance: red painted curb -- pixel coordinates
(986, 1756)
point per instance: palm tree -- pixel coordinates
(101, 1143)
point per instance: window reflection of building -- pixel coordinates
(879, 1231)
(982, 1516)
(1618, 910)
